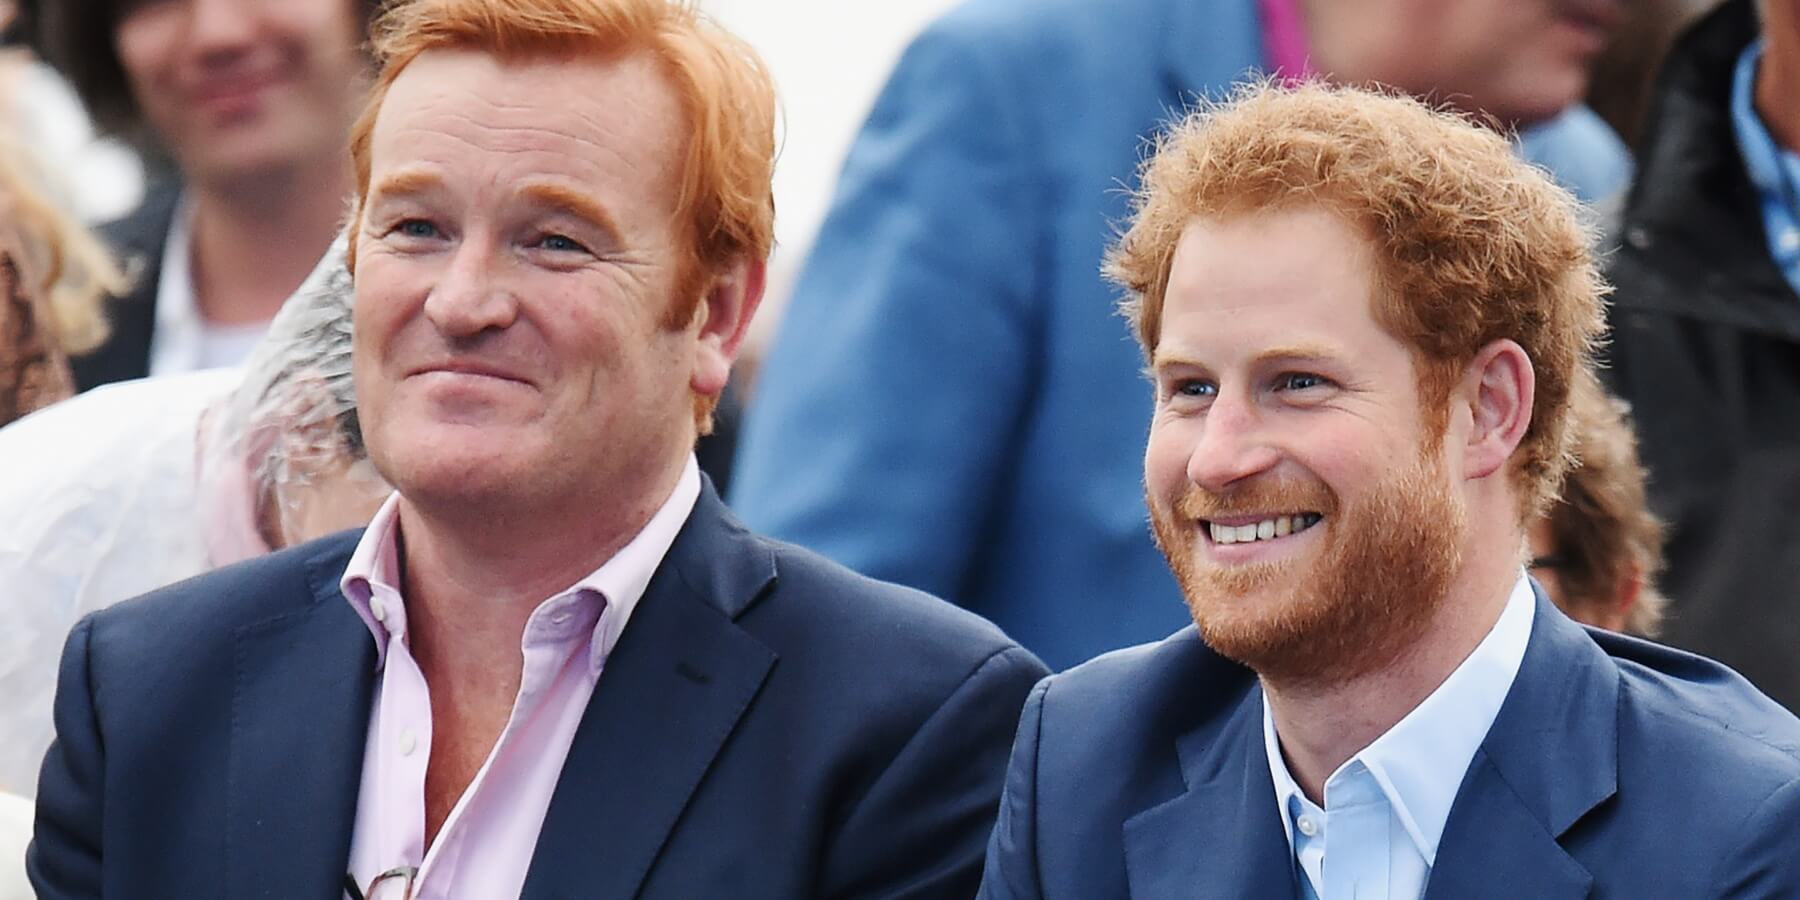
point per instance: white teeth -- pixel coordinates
(1267, 529)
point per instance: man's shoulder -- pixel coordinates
(1678, 709)
(1139, 699)
(821, 597)
(186, 615)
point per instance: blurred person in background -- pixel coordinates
(95, 178)
(54, 276)
(1597, 550)
(15, 833)
(251, 101)
(1706, 336)
(141, 484)
(950, 401)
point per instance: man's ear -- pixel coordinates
(723, 318)
(1500, 386)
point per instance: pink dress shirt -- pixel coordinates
(1284, 39)
(485, 846)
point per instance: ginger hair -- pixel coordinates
(1471, 245)
(726, 202)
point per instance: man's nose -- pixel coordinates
(1233, 445)
(468, 299)
(221, 27)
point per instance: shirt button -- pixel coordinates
(1308, 827)
(378, 609)
(409, 741)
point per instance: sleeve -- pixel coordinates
(922, 827)
(1765, 865)
(879, 425)
(1012, 867)
(63, 861)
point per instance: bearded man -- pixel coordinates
(1363, 320)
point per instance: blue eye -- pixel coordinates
(416, 228)
(1195, 388)
(1299, 381)
(560, 244)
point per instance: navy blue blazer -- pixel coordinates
(769, 725)
(1616, 768)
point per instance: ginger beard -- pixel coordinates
(1351, 608)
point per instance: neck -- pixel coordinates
(472, 577)
(1321, 726)
(1778, 74)
(257, 237)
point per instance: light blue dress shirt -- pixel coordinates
(1774, 169)
(1385, 808)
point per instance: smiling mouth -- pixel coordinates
(1262, 530)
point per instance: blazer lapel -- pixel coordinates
(1550, 758)
(1223, 838)
(300, 716)
(672, 692)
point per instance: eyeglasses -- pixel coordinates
(405, 875)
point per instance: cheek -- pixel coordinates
(1166, 458)
(144, 42)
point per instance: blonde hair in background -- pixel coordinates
(67, 266)
(1471, 244)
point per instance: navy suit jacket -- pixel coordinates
(769, 725)
(1616, 768)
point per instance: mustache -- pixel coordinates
(1264, 495)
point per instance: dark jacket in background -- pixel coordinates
(138, 241)
(1706, 347)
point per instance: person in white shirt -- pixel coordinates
(144, 483)
(252, 102)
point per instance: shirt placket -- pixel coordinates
(1357, 851)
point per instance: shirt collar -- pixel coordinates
(175, 342)
(1420, 762)
(1772, 168)
(372, 578)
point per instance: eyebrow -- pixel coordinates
(413, 182)
(1294, 352)
(405, 183)
(570, 202)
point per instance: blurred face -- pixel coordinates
(515, 260)
(1521, 60)
(240, 87)
(1302, 504)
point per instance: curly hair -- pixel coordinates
(1471, 244)
(726, 201)
(1601, 528)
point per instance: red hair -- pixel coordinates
(726, 201)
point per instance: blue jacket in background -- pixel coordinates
(952, 402)
(1617, 768)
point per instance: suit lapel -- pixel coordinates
(1223, 838)
(300, 716)
(1550, 759)
(673, 690)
